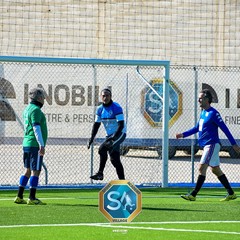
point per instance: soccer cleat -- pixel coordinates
(97, 176)
(19, 200)
(229, 197)
(188, 197)
(35, 202)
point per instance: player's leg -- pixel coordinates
(201, 178)
(214, 163)
(114, 153)
(23, 180)
(103, 153)
(116, 162)
(33, 184)
(210, 155)
(223, 179)
(36, 162)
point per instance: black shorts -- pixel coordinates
(116, 144)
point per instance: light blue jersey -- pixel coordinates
(207, 128)
(110, 116)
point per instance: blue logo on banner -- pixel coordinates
(152, 104)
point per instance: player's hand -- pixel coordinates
(90, 141)
(110, 139)
(109, 142)
(179, 135)
(41, 151)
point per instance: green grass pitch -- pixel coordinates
(73, 214)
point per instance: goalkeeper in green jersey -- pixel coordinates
(34, 142)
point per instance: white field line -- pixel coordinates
(126, 226)
(182, 222)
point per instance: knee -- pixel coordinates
(217, 171)
(200, 171)
(28, 173)
(213, 170)
(203, 169)
(36, 173)
(102, 151)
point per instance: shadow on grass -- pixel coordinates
(174, 209)
(143, 208)
(74, 205)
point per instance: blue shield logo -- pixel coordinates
(120, 201)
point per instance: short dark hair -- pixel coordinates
(207, 93)
(107, 90)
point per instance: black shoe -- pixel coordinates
(97, 176)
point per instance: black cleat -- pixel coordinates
(97, 176)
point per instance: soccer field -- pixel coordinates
(73, 214)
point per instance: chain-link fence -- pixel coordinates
(72, 96)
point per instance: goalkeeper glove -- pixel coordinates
(109, 142)
(90, 141)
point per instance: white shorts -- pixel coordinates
(210, 155)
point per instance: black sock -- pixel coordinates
(20, 192)
(199, 184)
(32, 193)
(224, 181)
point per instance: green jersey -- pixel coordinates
(33, 115)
